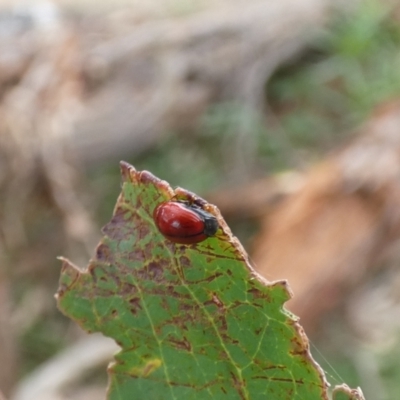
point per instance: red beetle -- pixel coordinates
(184, 223)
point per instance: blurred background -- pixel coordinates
(283, 113)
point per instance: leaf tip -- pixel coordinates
(128, 171)
(70, 273)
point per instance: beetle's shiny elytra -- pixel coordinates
(184, 223)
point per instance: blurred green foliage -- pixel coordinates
(41, 341)
(354, 68)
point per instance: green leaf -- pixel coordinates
(193, 321)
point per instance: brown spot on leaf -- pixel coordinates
(142, 231)
(216, 301)
(184, 261)
(209, 279)
(148, 251)
(289, 380)
(167, 291)
(117, 229)
(213, 277)
(173, 247)
(183, 344)
(156, 271)
(298, 347)
(238, 385)
(135, 305)
(222, 325)
(104, 254)
(127, 288)
(258, 294)
(186, 307)
(137, 255)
